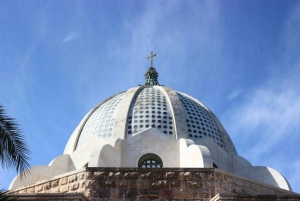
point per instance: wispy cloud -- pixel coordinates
(71, 36)
(269, 116)
(148, 32)
(235, 93)
(265, 124)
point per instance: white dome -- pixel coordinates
(152, 126)
(128, 113)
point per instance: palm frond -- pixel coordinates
(13, 149)
(6, 196)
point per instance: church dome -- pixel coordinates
(170, 112)
(148, 126)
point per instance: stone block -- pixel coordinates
(115, 175)
(131, 193)
(64, 188)
(110, 184)
(149, 193)
(89, 175)
(175, 184)
(39, 189)
(158, 175)
(159, 184)
(81, 176)
(89, 193)
(90, 183)
(228, 179)
(186, 193)
(139, 184)
(167, 194)
(102, 193)
(171, 175)
(63, 181)
(74, 186)
(54, 190)
(54, 183)
(147, 175)
(219, 176)
(30, 190)
(72, 178)
(204, 193)
(186, 175)
(200, 176)
(123, 183)
(47, 186)
(224, 186)
(194, 184)
(117, 193)
(209, 184)
(81, 184)
(100, 175)
(131, 175)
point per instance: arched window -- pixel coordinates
(150, 161)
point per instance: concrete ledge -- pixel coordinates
(235, 197)
(52, 196)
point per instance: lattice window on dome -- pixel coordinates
(230, 145)
(101, 122)
(199, 122)
(150, 110)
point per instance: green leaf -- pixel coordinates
(13, 149)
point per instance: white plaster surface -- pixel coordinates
(79, 157)
(177, 111)
(62, 162)
(266, 175)
(71, 143)
(198, 157)
(106, 155)
(192, 155)
(37, 173)
(221, 158)
(122, 112)
(239, 163)
(150, 141)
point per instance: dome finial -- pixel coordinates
(151, 74)
(151, 58)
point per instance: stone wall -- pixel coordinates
(101, 184)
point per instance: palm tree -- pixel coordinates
(13, 149)
(6, 196)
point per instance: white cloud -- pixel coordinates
(235, 93)
(266, 123)
(71, 36)
(269, 116)
(149, 32)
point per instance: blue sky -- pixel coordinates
(58, 59)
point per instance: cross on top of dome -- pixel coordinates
(151, 74)
(151, 58)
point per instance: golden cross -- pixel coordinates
(151, 58)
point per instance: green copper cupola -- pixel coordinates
(151, 75)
